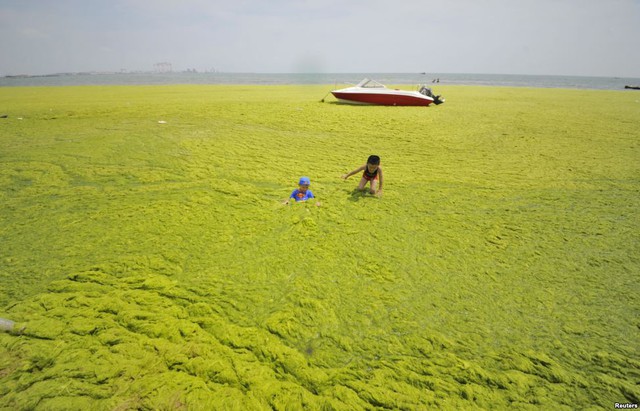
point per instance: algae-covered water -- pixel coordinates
(149, 263)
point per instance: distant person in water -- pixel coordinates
(302, 193)
(371, 173)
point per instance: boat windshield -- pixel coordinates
(367, 83)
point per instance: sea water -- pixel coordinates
(334, 79)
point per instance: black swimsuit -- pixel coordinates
(368, 175)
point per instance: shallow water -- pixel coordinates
(153, 266)
(336, 79)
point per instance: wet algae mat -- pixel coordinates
(148, 258)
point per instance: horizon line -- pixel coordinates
(193, 71)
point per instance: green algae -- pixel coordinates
(153, 266)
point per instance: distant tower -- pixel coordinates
(163, 67)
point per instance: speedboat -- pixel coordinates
(371, 92)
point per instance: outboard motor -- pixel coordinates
(427, 92)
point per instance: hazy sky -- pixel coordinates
(565, 37)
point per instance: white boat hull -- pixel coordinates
(372, 93)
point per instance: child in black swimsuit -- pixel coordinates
(372, 173)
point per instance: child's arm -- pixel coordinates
(312, 196)
(361, 168)
(380, 180)
(293, 193)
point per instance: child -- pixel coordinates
(372, 173)
(302, 193)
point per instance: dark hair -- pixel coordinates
(374, 160)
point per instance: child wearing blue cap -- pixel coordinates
(302, 193)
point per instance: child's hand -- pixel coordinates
(345, 176)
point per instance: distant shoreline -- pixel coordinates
(169, 73)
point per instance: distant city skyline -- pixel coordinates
(539, 37)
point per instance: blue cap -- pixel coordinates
(304, 181)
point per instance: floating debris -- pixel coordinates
(6, 325)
